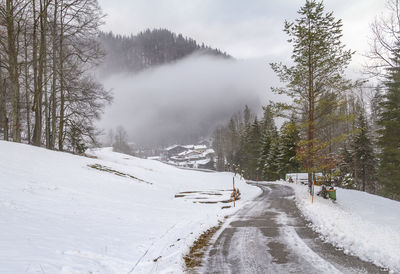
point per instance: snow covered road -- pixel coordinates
(271, 236)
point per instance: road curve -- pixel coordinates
(271, 236)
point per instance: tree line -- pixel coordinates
(346, 129)
(149, 48)
(48, 94)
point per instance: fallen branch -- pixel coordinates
(116, 172)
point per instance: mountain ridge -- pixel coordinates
(149, 48)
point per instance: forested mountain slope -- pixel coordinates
(148, 49)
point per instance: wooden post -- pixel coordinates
(312, 201)
(234, 192)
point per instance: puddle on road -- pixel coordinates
(278, 252)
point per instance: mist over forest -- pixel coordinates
(148, 49)
(168, 89)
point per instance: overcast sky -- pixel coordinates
(192, 97)
(244, 29)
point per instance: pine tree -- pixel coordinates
(218, 145)
(232, 140)
(272, 164)
(251, 148)
(363, 155)
(346, 169)
(268, 130)
(375, 105)
(319, 61)
(389, 134)
(246, 116)
(289, 139)
(268, 162)
(267, 122)
(265, 146)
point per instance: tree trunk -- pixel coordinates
(310, 129)
(12, 37)
(3, 107)
(54, 83)
(27, 97)
(43, 49)
(62, 95)
(36, 134)
(46, 113)
(363, 178)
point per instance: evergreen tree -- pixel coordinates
(375, 106)
(246, 116)
(268, 130)
(289, 139)
(240, 159)
(265, 146)
(363, 155)
(389, 134)
(272, 164)
(319, 61)
(232, 140)
(267, 122)
(346, 169)
(218, 145)
(251, 149)
(148, 49)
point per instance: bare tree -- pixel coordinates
(12, 13)
(3, 105)
(78, 51)
(54, 78)
(39, 66)
(48, 47)
(121, 141)
(384, 41)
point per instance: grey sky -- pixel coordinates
(245, 29)
(191, 97)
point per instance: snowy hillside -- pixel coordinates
(361, 224)
(61, 213)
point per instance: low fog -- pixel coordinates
(184, 102)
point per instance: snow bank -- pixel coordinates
(58, 215)
(364, 225)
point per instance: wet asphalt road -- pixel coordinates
(271, 236)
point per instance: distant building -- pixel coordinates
(205, 143)
(193, 156)
(172, 151)
(300, 177)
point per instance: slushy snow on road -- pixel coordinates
(362, 224)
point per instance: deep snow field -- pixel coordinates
(362, 224)
(58, 215)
